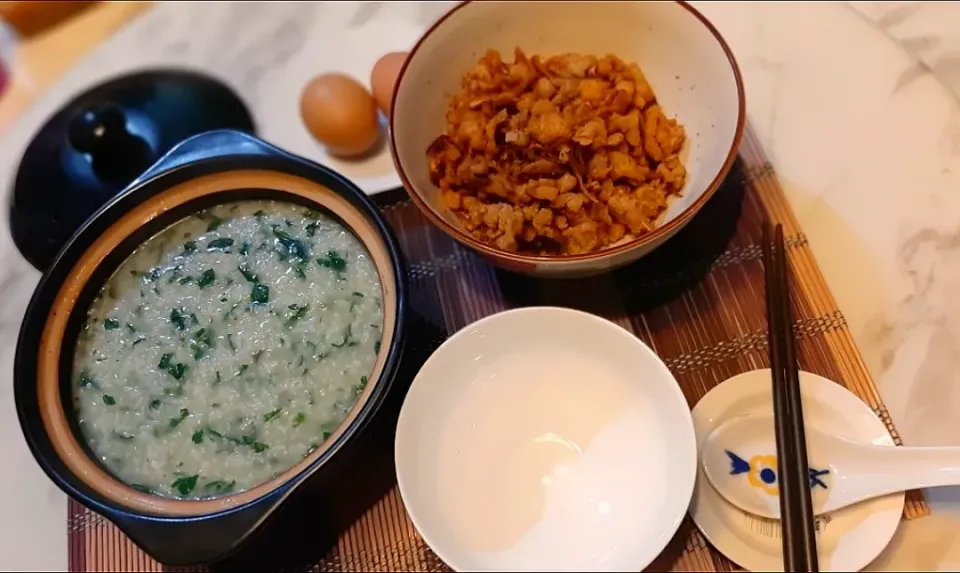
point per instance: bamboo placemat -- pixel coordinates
(697, 301)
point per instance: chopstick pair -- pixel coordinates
(796, 510)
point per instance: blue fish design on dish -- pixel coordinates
(761, 472)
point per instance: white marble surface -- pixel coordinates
(858, 107)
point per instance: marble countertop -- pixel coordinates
(857, 106)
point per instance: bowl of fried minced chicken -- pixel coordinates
(566, 139)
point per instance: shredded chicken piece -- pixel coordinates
(560, 155)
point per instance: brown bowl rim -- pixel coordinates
(64, 441)
(523, 260)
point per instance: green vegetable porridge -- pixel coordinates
(227, 348)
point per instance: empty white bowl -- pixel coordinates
(545, 439)
(688, 64)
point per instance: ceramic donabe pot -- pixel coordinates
(206, 170)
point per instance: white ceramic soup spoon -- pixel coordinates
(739, 459)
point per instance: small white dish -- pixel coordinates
(848, 539)
(545, 439)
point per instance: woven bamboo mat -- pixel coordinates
(698, 302)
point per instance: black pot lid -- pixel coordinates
(99, 142)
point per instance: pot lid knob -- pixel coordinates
(116, 154)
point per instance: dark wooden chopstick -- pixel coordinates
(786, 478)
(808, 537)
(793, 473)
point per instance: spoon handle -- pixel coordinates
(896, 469)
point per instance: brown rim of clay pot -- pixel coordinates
(55, 421)
(530, 261)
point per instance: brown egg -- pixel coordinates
(383, 78)
(341, 114)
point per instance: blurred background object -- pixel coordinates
(32, 18)
(39, 41)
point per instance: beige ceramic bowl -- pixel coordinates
(690, 67)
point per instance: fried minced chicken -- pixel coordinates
(563, 155)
